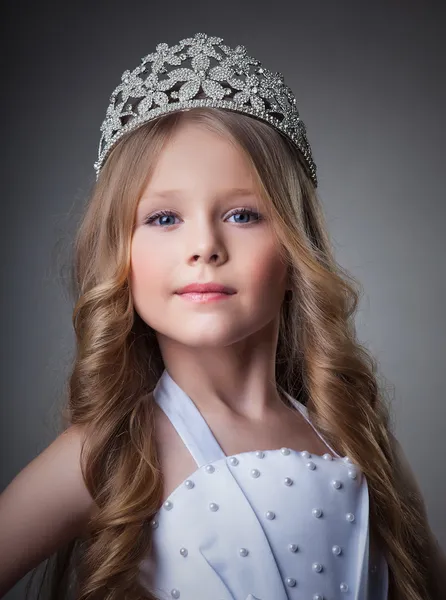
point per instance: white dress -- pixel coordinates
(262, 525)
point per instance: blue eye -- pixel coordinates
(245, 211)
(160, 214)
(236, 211)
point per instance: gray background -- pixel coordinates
(370, 84)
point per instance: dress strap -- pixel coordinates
(192, 427)
(187, 420)
(304, 412)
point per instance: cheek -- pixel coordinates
(149, 283)
(267, 271)
(147, 273)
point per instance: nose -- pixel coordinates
(207, 245)
(209, 255)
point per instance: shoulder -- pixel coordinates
(55, 476)
(45, 506)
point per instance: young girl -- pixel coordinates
(225, 436)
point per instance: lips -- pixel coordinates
(206, 288)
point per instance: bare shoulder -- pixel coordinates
(46, 505)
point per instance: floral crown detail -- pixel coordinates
(164, 82)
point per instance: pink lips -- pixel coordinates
(205, 292)
(206, 288)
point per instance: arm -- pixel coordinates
(438, 570)
(44, 507)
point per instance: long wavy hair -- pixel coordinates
(118, 362)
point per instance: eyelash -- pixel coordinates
(167, 213)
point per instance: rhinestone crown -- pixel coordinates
(163, 83)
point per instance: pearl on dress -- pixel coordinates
(350, 517)
(352, 473)
(154, 524)
(319, 498)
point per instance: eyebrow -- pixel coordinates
(169, 194)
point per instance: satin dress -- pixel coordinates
(273, 524)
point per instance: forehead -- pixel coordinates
(195, 155)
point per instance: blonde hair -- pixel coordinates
(118, 362)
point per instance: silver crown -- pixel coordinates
(162, 84)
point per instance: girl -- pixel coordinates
(225, 434)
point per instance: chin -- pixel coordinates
(230, 336)
(204, 335)
(204, 339)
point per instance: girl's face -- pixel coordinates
(202, 182)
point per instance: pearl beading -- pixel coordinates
(270, 515)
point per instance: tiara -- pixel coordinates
(171, 78)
